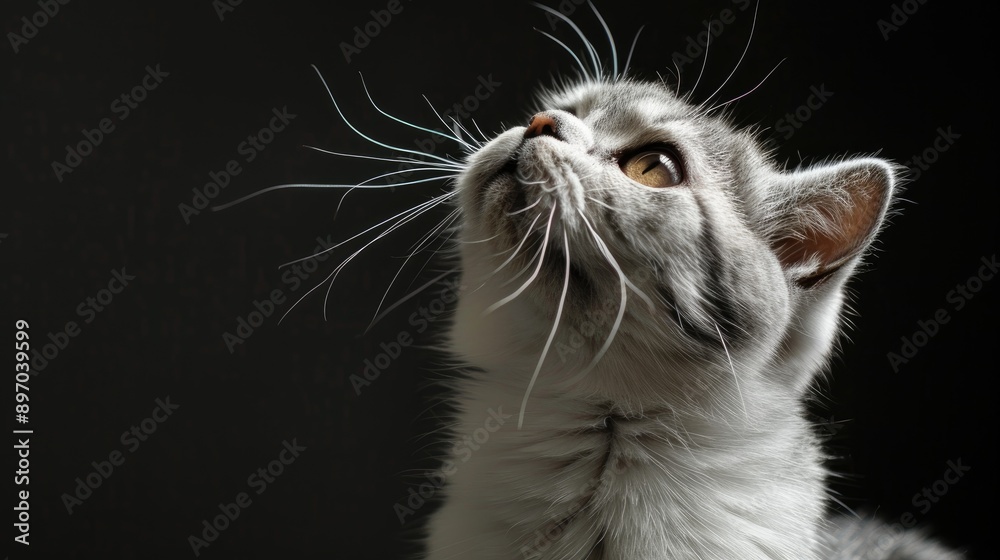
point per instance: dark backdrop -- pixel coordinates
(896, 428)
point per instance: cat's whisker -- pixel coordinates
(524, 180)
(409, 296)
(364, 184)
(439, 165)
(735, 99)
(621, 305)
(586, 42)
(363, 135)
(424, 204)
(541, 259)
(736, 378)
(611, 39)
(461, 127)
(407, 216)
(242, 199)
(411, 125)
(523, 270)
(475, 124)
(552, 334)
(417, 247)
(526, 208)
(468, 147)
(704, 63)
(428, 237)
(742, 56)
(628, 61)
(401, 222)
(601, 202)
(490, 238)
(531, 228)
(579, 62)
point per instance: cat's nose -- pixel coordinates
(542, 124)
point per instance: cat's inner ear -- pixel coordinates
(830, 215)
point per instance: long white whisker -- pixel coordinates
(412, 213)
(468, 147)
(383, 222)
(586, 42)
(541, 259)
(621, 304)
(361, 134)
(733, 100)
(519, 245)
(601, 202)
(394, 227)
(704, 61)
(527, 267)
(745, 49)
(424, 241)
(579, 62)
(443, 166)
(490, 238)
(460, 126)
(552, 334)
(411, 125)
(474, 123)
(526, 208)
(364, 184)
(221, 207)
(736, 378)
(409, 296)
(611, 39)
(628, 60)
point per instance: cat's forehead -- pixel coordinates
(620, 99)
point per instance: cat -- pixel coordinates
(646, 299)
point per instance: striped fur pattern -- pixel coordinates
(644, 352)
(646, 299)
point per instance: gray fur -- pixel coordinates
(671, 427)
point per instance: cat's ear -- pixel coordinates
(829, 215)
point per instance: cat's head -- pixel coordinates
(719, 255)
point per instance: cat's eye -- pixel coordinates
(657, 168)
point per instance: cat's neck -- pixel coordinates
(646, 484)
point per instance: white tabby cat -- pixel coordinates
(646, 298)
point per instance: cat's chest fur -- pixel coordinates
(584, 479)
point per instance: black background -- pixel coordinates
(894, 431)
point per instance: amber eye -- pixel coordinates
(657, 168)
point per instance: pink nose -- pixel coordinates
(541, 125)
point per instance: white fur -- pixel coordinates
(671, 446)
